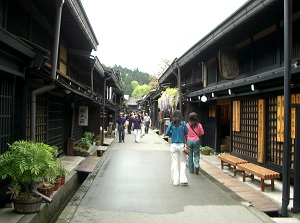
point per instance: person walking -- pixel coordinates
(195, 131)
(130, 118)
(120, 122)
(147, 122)
(177, 130)
(136, 126)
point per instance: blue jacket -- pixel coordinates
(176, 132)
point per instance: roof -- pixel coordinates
(246, 11)
(133, 101)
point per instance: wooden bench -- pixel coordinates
(230, 160)
(88, 165)
(261, 172)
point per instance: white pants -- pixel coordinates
(178, 165)
(136, 133)
(142, 130)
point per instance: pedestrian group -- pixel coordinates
(179, 131)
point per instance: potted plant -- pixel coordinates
(23, 164)
(62, 172)
(87, 140)
(78, 151)
(205, 150)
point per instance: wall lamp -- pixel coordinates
(253, 88)
(204, 98)
(230, 92)
(213, 95)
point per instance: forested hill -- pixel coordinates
(128, 75)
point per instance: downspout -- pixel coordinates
(103, 107)
(46, 88)
(287, 108)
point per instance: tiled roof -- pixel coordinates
(133, 101)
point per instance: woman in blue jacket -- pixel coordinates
(177, 130)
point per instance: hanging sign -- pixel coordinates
(83, 115)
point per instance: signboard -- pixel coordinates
(83, 116)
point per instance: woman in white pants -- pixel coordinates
(177, 130)
(136, 126)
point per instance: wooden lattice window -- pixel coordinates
(245, 140)
(6, 101)
(275, 147)
(274, 138)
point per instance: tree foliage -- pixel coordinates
(129, 75)
(140, 91)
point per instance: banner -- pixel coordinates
(83, 115)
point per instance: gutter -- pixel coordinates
(47, 88)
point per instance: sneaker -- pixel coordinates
(184, 184)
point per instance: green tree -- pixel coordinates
(140, 91)
(134, 84)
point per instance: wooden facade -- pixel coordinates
(40, 100)
(239, 67)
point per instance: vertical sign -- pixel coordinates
(261, 131)
(83, 115)
(293, 117)
(236, 116)
(280, 119)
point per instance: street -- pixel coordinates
(133, 184)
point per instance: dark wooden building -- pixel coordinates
(48, 77)
(235, 78)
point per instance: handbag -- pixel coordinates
(186, 148)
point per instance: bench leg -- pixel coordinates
(272, 184)
(262, 182)
(222, 164)
(234, 170)
(244, 175)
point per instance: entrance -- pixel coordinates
(224, 125)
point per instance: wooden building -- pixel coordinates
(51, 88)
(235, 78)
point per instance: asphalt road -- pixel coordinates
(132, 183)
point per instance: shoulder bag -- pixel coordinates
(194, 131)
(186, 148)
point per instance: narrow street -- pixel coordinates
(133, 184)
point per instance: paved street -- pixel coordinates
(132, 183)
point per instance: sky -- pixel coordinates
(142, 34)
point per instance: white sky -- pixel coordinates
(141, 34)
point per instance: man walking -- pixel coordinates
(120, 122)
(147, 122)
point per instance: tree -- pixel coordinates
(134, 84)
(153, 82)
(141, 91)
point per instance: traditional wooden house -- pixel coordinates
(51, 88)
(242, 79)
